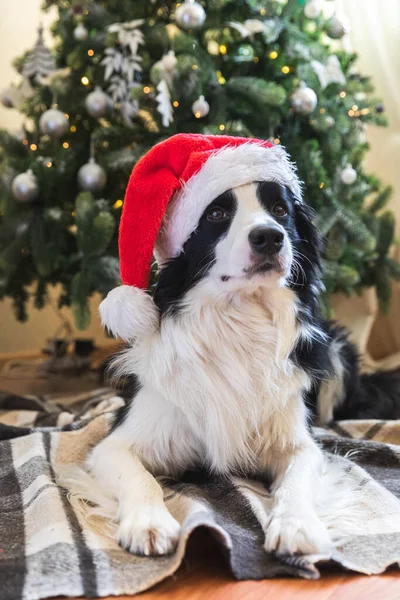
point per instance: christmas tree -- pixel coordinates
(124, 75)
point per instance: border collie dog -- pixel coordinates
(237, 365)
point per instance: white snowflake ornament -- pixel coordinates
(331, 72)
(164, 105)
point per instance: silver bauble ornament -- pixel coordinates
(190, 15)
(6, 98)
(336, 28)
(92, 177)
(25, 187)
(312, 9)
(54, 123)
(97, 103)
(304, 100)
(348, 175)
(80, 32)
(200, 107)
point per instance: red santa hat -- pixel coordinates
(167, 193)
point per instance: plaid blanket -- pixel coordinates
(48, 549)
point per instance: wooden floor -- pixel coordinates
(204, 584)
(205, 576)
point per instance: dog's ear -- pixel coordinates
(312, 242)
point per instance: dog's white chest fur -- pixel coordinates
(218, 386)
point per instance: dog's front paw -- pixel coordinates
(148, 531)
(296, 533)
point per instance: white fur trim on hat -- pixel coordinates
(227, 168)
(129, 312)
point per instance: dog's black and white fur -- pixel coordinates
(228, 379)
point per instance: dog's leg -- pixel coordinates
(293, 525)
(145, 525)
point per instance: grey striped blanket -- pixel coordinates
(48, 549)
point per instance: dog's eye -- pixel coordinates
(216, 214)
(280, 210)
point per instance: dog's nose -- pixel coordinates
(266, 240)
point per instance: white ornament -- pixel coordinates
(249, 27)
(329, 73)
(55, 213)
(169, 61)
(97, 103)
(360, 96)
(92, 177)
(271, 28)
(164, 105)
(304, 100)
(213, 48)
(348, 175)
(312, 9)
(58, 74)
(121, 64)
(330, 121)
(25, 187)
(165, 67)
(200, 107)
(39, 61)
(190, 15)
(128, 110)
(80, 32)
(129, 34)
(53, 122)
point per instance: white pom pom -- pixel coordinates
(129, 312)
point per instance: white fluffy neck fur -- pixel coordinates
(218, 383)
